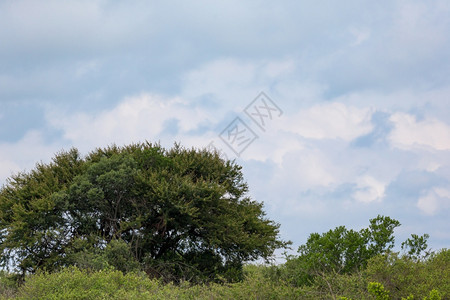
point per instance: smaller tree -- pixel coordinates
(341, 250)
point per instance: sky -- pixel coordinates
(337, 110)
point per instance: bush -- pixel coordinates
(8, 287)
(404, 276)
(377, 290)
(73, 283)
(116, 254)
(387, 276)
(434, 295)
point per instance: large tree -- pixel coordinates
(183, 213)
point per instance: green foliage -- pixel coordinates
(377, 290)
(142, 222)
(387, 276)
(403, 276)
(416, 246)
(33, 227)
(331, 285)
(341, 251)
(381, 234)
(72, 283)
(434, 295)
(117, 254)
(342, 263)
(258, 283)
(8, 285)
(180, 214)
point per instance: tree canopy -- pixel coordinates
(181, 213)
(342, 250)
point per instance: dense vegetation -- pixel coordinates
(386, 276)
(143, 222)
(361, 265)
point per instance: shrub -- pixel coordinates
(404, 276)
(73, 283)
(8, 287)
(377, 290)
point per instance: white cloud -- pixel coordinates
(369, 189)
(273, 146)
(330, 121)
(306, 169)
(328, 66)
(436, 199)
(8, 168)
(24, 154)
(223, 77)
(409, 133)
(136, 118)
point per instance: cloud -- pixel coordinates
(23, 155)
(136, 118)
(331, 121)
(408, 133)
(434, 200)
(369, 189)
(308, 169)
(8, 168)
(235, 82)
(364, 89)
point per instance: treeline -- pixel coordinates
(348, 264)
(321, 270)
